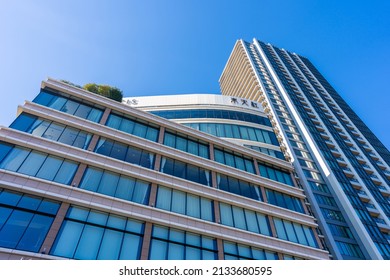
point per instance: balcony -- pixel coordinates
(375, 179)
(341, 162)
(363, 196)
(374, 156)
(347, 171)
(361, 159)
(354, 150)
(330, 144)
(371, 209)
(384, 191)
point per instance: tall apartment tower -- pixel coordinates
(342, 166)
(86, 177)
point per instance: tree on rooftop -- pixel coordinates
(105, 90)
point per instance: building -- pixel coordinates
(86, 177)
(342, 166)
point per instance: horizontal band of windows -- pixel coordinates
(36, 164)
(234, 160)
(25, 220)
(187, 145)
(185, 203)
(235, 251)
(284, 200)
(125, 153)
(90, 234)
(294, 232)
(244, 219)
(236, 131)
(172, 244)
(133, 127)
(212, 114)
(115, 185)
(52, 130)
(266, 151)
(67, 105)
(275, 174)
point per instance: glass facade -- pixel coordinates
(244, 219)
(236, 186)
(185, 170)
(235, 251)
(212, 114)
(25, 220)
(236, 161)
(115, 185)
(185, 203)
(36, 164)
(67, 105)
(275, 174)
(186, 145)
(52, 130)
(133, 127)
(118, 150)
(173, 244)
(93, 235)
(284, 200)
(236, 131)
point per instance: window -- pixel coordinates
(234, 251)
(173, 244)
(295, 232)
(52, 131)
(184, 203)
(236, 131)
(186, 171)
(25, 220)
(233, 160)
(187, 145)
(212, 114)
(275, 174)
(116, 185)
(64, 104)
(124, 152)
(37, 164)
(284, 200)
(89, 235)
(245, 219)
(133, 127)
(233, 185)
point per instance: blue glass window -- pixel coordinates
(233, 185)
(116, 185)
(90, 234)
(284, 200)
(173, 244)
(124, 152)
(233, 160)
(133, 127)
(25, 220)
(34, 163)
(275, 174)
(212, 114)
(234, 251)
(66, 105)
(52, 130)
(184, 203)
(295, 232)
(244, 219)
(236, 131)
(187, 145)
(186, 171)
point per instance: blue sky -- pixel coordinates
(154, 47)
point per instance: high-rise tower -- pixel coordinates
(340, 163)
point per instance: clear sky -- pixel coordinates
(150, 47)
